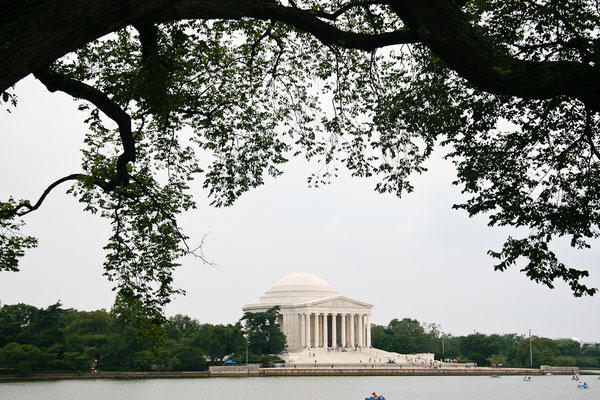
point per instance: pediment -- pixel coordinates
(339, 302)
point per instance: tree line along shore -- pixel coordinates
(64, 341)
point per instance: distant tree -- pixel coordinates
(479, 348)
(451, 347)
(590, 356)
(180, 326)
(24, 359)
(15, 323)
(182, 355)
(508, 345)
(569, 348)
(380, 339)
(89, 323)
(406, 336)
(231, 339)
(565, 361)
(263, 332)
(497, 359)
(127, 348)
(47, 326)
(544, 351)
(86, 338)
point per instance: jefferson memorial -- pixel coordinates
(313, 315)
(323, 327)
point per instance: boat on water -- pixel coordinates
(373, 396)
(549, 374)
(495, 376)
(583, 386)
(527, 379)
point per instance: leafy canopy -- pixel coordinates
(374, 87)
(263, 332)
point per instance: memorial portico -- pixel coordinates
(313, 314)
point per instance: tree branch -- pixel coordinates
(35, 34)
(25, 208)
(154, 75)
(304, 20)
(173, 221)
(446, 31)
(57, 82)
(333, 16)
(588, 133)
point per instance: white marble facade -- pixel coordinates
(313, 314)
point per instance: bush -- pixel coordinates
(23, 371)
(565, 361)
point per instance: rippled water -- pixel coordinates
(303, 388)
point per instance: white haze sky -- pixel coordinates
(411, 257)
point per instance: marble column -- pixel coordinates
(303, 330)
(316, 330)
(361, 330)
(307, 316)
(352, 338)
(325, 329)
(343, 335)
(368, 331)
(334, 342)
(284, 323)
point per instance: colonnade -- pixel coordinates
(331, 329)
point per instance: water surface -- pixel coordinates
(308, 388)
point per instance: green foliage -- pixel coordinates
(565, 361)
(479, 348)
(15, 321)
(229, 102)
(497, 359)
(590, 356)
(56, 339)
(13, 243)
(544, 352)
(23, 358)
(406, 336)
(507, 349)
(263, 332)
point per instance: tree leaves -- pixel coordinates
(230, 101)
(13, 243)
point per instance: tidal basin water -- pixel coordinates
(308, 388)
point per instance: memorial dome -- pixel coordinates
(298, 288)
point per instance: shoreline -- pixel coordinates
(255, 371)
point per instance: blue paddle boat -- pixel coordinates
(583, 385)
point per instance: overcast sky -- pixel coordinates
(411, 257)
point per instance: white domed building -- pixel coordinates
(313, 315)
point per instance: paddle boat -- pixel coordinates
(549, 374)
(582, 385)
(527, 379)
(375, 397)
(495, 376)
